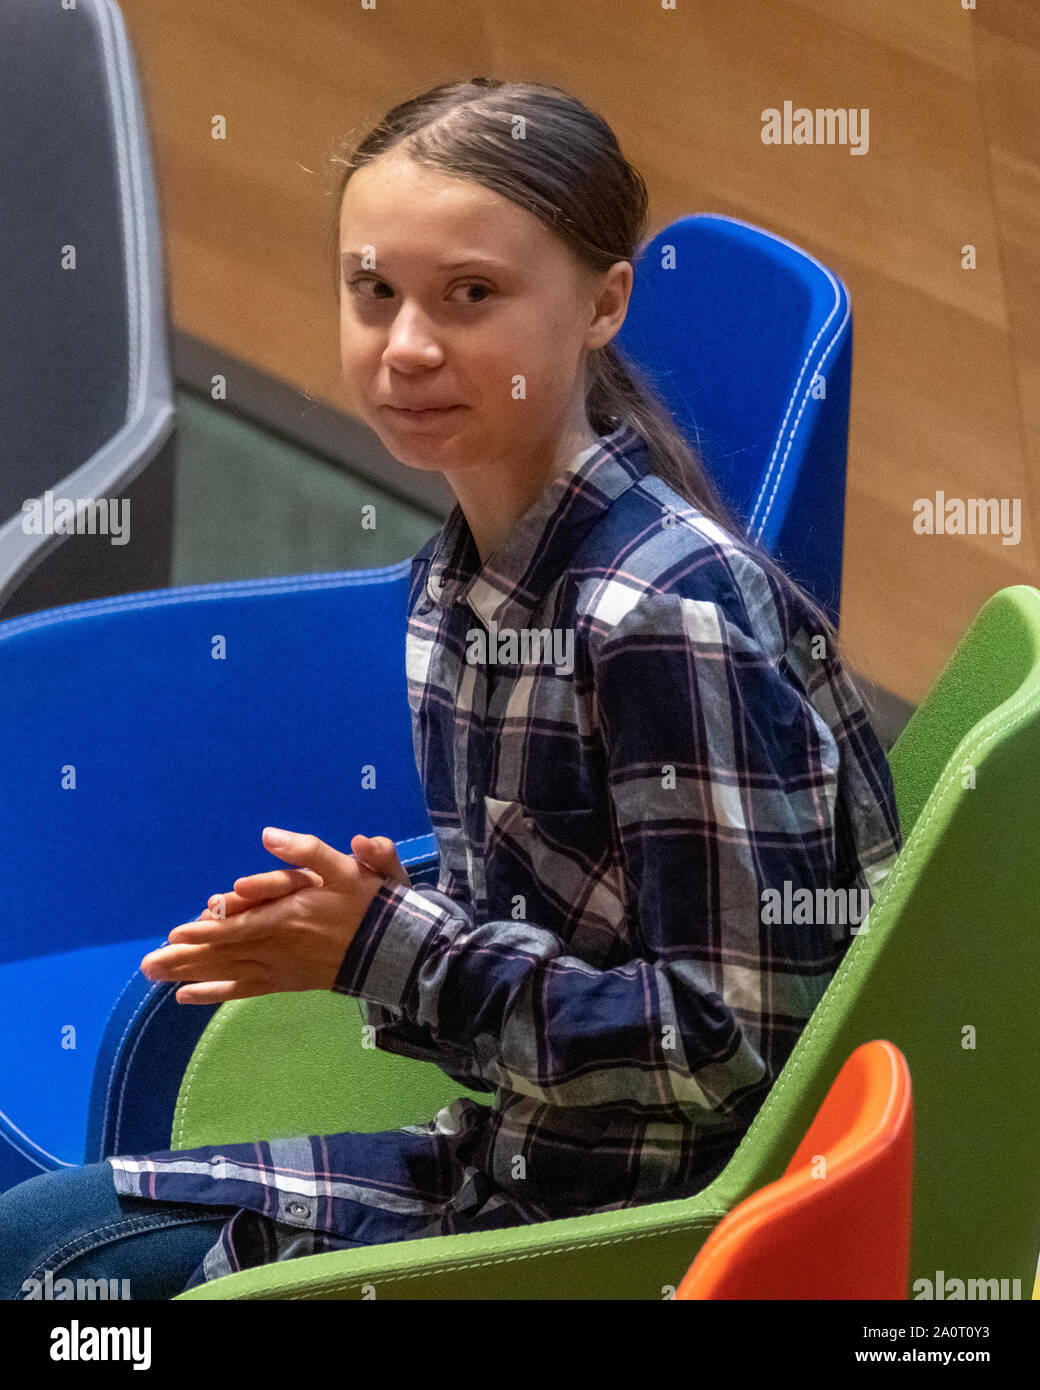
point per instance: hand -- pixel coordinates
(377, 853)
(291, 928)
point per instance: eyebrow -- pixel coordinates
(485, 261)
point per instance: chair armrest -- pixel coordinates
(639, 1253)
(325, 1076)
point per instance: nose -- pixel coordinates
(412, 340)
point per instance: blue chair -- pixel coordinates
(145, 740)
(749, 340)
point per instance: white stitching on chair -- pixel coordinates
(794, 393)
(157, 995)
(236, 588)
(6, 1138)
(112, 1066)
(805, 400)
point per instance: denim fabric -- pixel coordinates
(74, 1223)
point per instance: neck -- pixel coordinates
(494, 496)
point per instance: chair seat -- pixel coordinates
(47, 1071)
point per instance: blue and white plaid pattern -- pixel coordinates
(627, 733)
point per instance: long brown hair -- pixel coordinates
(574, 178)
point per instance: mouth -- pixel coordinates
(419, 415)
(416, 419)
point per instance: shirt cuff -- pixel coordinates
(398, 931)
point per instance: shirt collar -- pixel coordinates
(516, 576)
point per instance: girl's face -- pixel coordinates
(464, 300)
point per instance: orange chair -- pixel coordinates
(837, 1224)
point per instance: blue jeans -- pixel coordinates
(74, 1223)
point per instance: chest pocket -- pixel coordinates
(560, 863)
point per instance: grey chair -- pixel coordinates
(86, 403)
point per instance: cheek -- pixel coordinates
(527, 351)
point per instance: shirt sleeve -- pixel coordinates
(393, 1031)
(721, 779)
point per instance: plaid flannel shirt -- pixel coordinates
(628, 736)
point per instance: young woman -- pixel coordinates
(633, 731)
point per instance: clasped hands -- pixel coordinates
(284, 930)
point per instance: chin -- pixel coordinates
(417, 453)
(411, 458)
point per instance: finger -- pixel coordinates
(217, 992)
(394, 866)
(364, 847)
(223, 905)
(259, 888)
(244, 926)
(209, 956)
(380, 853)
(376, 855)
(249, 925)
(337, 870)
(275, 884)
(185, 962)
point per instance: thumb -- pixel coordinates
(308, 852)
(381, 853)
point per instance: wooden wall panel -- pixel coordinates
(946, 369)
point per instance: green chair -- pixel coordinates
(946, 967)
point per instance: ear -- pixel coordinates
(612, 296)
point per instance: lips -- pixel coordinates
(406, 418)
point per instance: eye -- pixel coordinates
(474, 285)
(355, 287)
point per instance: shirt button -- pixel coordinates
(472, 793)
(528, 823)
(298, 1209)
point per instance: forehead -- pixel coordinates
(393, 203)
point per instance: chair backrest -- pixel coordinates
(837, 1224)
(86, 410)
(945, 968)
(749, 340)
